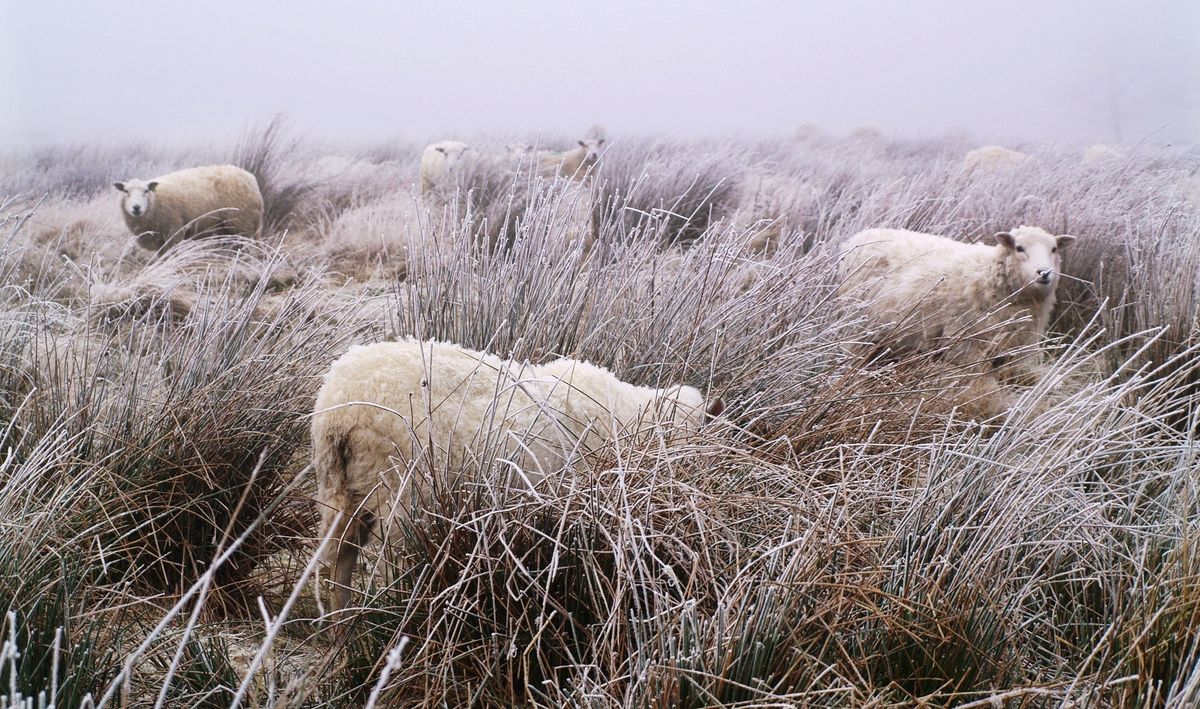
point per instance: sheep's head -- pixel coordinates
(591, 151)
(137, 198)
(452, 151)
(1034, 259)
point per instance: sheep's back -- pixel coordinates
(210, 194)
(464, 405)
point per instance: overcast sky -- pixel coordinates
(167, 72)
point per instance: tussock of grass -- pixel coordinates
(658, 191)
(857, 529)
(262, 152)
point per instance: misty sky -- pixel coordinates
(170, 72)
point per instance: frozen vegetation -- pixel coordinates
(857, 527)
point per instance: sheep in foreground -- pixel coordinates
(983, 300)
(993, 157)
(388, 408)
(438, 161)
(199, 201)
(574, 164)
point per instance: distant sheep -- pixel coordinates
(808, 131)
(769, 206)
(1102, 153)
(575, 164)
(438, 161)
(199, 201)
(994, 156)
(386, 407)
(870, 134)
(983, 299)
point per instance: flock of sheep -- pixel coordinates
(388, 412)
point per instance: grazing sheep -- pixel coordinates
(984, 299)
(769, 206)
(808, 131)
(1102, 153)
(387, 408)
(438, 161)
(994, 156)
(199, 201)
(869, 134)
(575, 164)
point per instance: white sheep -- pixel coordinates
(390, 408)
(994, 157)
(199, 201)
(984, 300)
(866, 134)
(575, 164)
(769, 206)
(438, 161)
(1102, 153)
(808, 131)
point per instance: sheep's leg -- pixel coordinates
(347, 557)
(353, 534)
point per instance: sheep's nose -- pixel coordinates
(1045, 273)
(137, 210)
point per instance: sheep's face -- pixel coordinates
(1035, 259)
(591, 151)
(137, 198)
(452, 152)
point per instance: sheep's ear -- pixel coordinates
(150, 186)
(119, 185)
(1006, 240)
(715, 408)
(1064, 241)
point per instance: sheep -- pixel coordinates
(866, 134)
(985, 299)
(1102, 153)
(994, 156)
(198, 201)
(808, 132)
(385, 408)
(438, 161)
(575, 164)
(770, 206)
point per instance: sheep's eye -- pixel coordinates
(1054, 250)
(1020, 249)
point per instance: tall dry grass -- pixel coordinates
(850, 533)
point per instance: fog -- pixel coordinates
(1076, 71)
